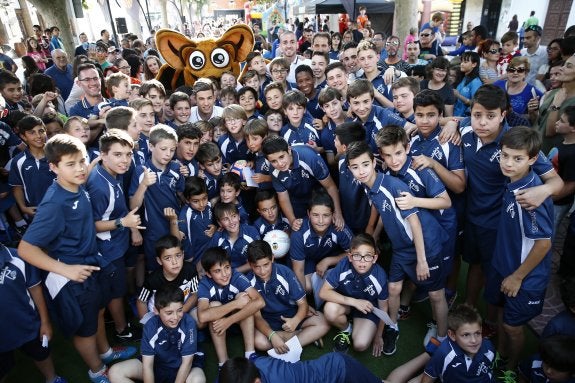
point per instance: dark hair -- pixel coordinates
(28, 123)
(274, 144)
(328, 94)
(213, 256)
(522, 138)
(188, 130)
(349, 132)
(39, 83)
(437, 63)
(256, 127)
(461, 315)
(350, 45)
(474, 58)
(166, 242)
(166, 295)
(557, 352)
(491, 97)
(359, 87)
(232, 179)
(428, 97)
(362, 239)
(208, 151)
(62, 145)
(510, 36)
(325, 55)
(481, 31)
(148, 85)
(391, 135)
(177, 97)
(485, 46)
(113, 136)
(356, 149)
(303, 68)
(319, 197)
(7, 77)
(194, 186)
(135, 63)
(334, 65)
(264, 195)
(224, 207)
(229, 91)
(245, 89)
(294, 97)
(238, 370)
(259, 249)
(202, 86)
(86, 66)
(407, 82)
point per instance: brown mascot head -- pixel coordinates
(187, 60)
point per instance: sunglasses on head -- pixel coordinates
(513, 70)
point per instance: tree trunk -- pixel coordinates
(164, 10)
(55, 13)
(404, 18)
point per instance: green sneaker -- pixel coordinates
(341, 342)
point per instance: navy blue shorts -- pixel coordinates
(519, 310)
(113, 280)
(479, 244)
(402, 268)
(32, 349)
(131, 256)
(275, 321)
(355, 313)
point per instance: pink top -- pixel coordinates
(38, 57)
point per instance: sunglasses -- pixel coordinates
(493, 51)
(394, 43)
(513, 70)
(425, 34)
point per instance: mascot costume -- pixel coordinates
(187, 60)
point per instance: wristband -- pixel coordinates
(270, 336)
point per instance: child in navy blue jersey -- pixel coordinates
(157, 185)
(27, 323)
(521, 263)
(255, 132)
(209, 157)
(62, 241)
(118, 87)
(353, 288)
(30, 174)
(270, 217)
(230, 186)
(233, 143)
(331, 102)
(553, 364)
(305, 84)
(180, 106)
(286, 313)
(318, 246)
(169, 345)
(226, 297)
(234, 236)
(416, 252)
(188, 143)
(298, 130)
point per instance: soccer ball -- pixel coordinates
(279, 242)
(238, 168)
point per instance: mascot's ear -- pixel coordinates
(241, 37)
(170, 45)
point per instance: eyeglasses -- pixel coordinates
(88, 79)
(394, 43)
(513, 70)
(125, 67)
(279, 71)
(365, 257)
(230, 120)
(493, 51)
(425, 34)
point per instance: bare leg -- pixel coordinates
(362, 336)
(196, 376)
(439, 308)
(394, 293)
(516, 339)
(248, 332)
(88, 350)
(101, 338)
(335, 314)
(475, 282)
(407, 293)
(409, 369)
(126, 372)
(116, 307)
(312, 329)
(46, 367)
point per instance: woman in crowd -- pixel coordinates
(437, 81)
(490, 50)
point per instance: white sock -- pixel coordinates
(247, 354)
(106, 354)
(394, 326)
(348, 329)
(101, 371)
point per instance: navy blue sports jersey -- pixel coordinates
(314, 108)
(300, 135)
(263, 226)
(533, 372)
(238, 251)
(34, 176)
(371, 286)
(232, 150)
(193, 224)
(327, 137)
(262, 166)
(211, 291)
(356, 214)
(378, 118)
(211, 184)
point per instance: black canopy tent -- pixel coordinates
(351, 7)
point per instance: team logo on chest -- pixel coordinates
(6, 273)
(510, 209)
(413, 185)
(495, 156)
(370, 290)
(385, 205)
(280, 290)
(437, 153)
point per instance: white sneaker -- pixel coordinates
(431, 333)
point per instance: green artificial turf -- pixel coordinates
(412, 331)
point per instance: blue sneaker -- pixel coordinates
(100, 378)
(59, 379)
(120, 353)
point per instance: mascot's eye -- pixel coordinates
(197, 60)
(220, 58)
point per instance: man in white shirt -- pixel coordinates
(205, 103)
(536, 54)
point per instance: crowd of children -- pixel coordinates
(162, 204)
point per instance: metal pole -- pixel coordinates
(112, 22)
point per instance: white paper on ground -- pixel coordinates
(294, 353)
(383, 316)
(248, 173)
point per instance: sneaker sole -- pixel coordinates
(394, 349)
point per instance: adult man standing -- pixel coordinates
(379, 40)
(321, 42)
(413, 54)
(288, 47)
(349, 58)
(105, 38)
(392, 46)
(89, 80)
(536, 54)
(82, 49)
(205, 103)
(61, 72)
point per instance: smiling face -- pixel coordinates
(363, 169)
(516, 74)
(228, 193)
(248, 102)
(187, 148)
(153, 65)
(71, 171)
(403, 100)
(228, 79)
(361, 106)
(220, 273)
(263, 268)
(279, 73)
(320, 218)
(182, 111)
(318, 65)
(336, 78)
(35, 137)
(230, 222)
(274, 99)
(122, 91)
(349, 59)
(172, 314)
(368, 59)
(305, 83)
(394, 156)
(157, 99)
(333, 109)
(118, 159)
(281, 161)
(205, 101)
(321, 44)
(468, 337)
(288, 45)
(89, 81)
(145, 119)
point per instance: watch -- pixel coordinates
(118, 223)
(554, 108)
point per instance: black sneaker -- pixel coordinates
(21, 230)
(341, 342)
(129, 334)
(390, 337)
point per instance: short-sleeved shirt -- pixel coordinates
(168, 345)
(263, 226)
(306, 245)
(192, 165)
(262, 166)
(143, 145)
(64, 226)
(564, 164)
(299, 181)
(371, 285)
(314, 108)
(485, 182)
(356, 215)
(7, 137)
(193, 223)
(517, 232)
(466, 89)
(329, 367)
(377, 119)
(83, 109)
(281, 292)
(446, 92)
(327, 137)
(238, 252)
(519, 101)
(447, 154)
(211, 184)
(232, 150)
(109, 204)
(33, 175)
(22, 324)
(301, 135)
(195, 115)
(382, 194)
(187, 281)
(449, 363)
(213, 292)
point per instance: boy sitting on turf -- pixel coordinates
(416, 252)
(353, 288)
(188, 143)
(234, 236)
(297, 170)
(521, 263)
(298, 130)
(210, 159)
(64, 227)
(286, 313)
(157, 185)
(169, 345)
(464, 355)
(270, 217)
(226, 297)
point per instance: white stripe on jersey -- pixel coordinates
(404, 223)
(107, 235)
